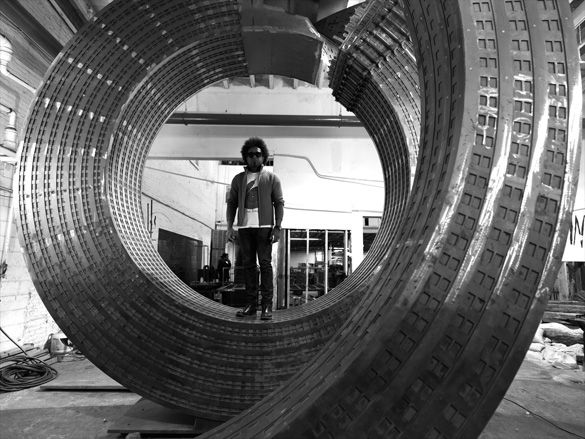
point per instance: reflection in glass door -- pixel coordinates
(337, 266)
(317, 262)
(315, 265)
(297, 263)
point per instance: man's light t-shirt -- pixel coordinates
(251, 217)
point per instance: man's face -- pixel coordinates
(254, 158)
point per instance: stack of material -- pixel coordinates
(558, 344)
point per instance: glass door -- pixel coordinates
(337, 257)
(318, 261)
(297, 267)
(316, 265)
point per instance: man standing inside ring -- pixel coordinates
(256, 195)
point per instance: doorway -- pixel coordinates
(316, 262)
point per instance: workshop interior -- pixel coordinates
(430, 154)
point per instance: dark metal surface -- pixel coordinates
(425, 337)
(334, 26)
(280, 44)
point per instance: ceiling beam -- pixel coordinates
(20, 18)
(71, 13)
(295, 120)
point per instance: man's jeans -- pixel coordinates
(256, 241)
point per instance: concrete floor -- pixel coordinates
(542, 403)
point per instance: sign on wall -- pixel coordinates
(575, 247)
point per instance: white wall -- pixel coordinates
(182, 198)
(242, 98)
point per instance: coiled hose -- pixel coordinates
(23, 371)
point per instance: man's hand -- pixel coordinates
(231, 234)
(275, 235)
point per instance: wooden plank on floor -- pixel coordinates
(83, 385)
(81, 375)
(28, 348)
(566, 306)
(147, 417)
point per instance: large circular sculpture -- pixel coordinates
(424, 339)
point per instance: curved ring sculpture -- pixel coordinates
(424, 339)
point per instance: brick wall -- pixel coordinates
(22, 313)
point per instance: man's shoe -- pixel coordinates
(248, 311)
(266, 312)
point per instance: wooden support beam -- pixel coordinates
(562, 283)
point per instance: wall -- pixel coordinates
(279, 98)
(22, 313)
(180, 196)
(23, 316)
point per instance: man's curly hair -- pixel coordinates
(255, 142)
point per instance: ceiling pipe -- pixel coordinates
(9, 141)
(263, 119)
